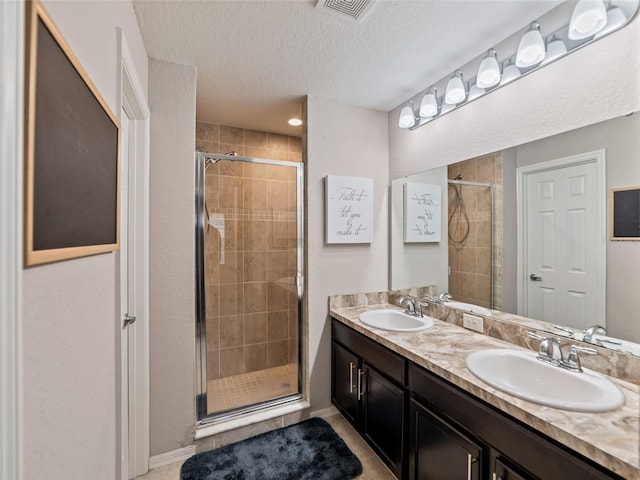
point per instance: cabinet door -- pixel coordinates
(344, 387)
(502, 471)
(383, 420)
(440, 452)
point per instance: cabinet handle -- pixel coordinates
(351, 385)
(470, 461)
(361, 374)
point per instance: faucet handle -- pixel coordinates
(550, 350)
(566, 330)
(573, 362)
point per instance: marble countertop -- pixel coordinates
(611, 439)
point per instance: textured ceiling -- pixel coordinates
(257, 59)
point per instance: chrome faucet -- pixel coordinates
(440, 299)
(551, 353)
(444, 297)
(411, 305)
(591, 331)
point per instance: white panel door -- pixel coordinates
(564, 253)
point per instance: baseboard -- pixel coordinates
(325, 412)
(179, 455)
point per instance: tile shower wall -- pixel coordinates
(251, 315)
(471, 272)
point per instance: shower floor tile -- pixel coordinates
(250, 388)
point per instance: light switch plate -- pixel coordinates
(472, 322)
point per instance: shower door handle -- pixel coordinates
(535, 278)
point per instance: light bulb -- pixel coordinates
(531, 49)
(429, 104)
(588, 18)
(455, 89)
(555, 48)
(615, 19)
(489, 71)
(510, 73)
(407, 119)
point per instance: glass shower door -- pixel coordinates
(251, 263)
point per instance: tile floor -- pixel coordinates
(372, 466)
(253, 387)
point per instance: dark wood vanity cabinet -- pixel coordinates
(368, 387)
(425, 428)
(480, 436)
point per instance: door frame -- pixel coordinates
(133, 345)
(12, 25)
(599, 158)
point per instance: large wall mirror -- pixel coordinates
(528, 231)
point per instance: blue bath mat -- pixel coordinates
(309, 450)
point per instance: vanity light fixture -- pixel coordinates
(455, 93)
(555, 48)
(475, 91)
(588, 18)
(489, 71)
(429, 104)
(407, 118)
(510, 73)
(615, 19)
(531, 50)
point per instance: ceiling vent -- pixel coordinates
(349, 10)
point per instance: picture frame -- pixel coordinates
(422, 213)
(348, 209)
(624, 213)
(72, 152)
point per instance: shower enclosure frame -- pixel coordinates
(203, 417)
(492, 186)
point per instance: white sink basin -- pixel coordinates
(395, 320)
(469, 307)
(520, 374)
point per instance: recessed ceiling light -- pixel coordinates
(295, 122)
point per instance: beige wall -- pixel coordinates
(619, 137)
(350, 141)
(172, 93)
(70, 324)
(575, 91)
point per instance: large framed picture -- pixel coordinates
(72, 145)
(348, 209)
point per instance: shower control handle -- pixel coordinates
(535, 278)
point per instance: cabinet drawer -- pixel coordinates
(383, 359)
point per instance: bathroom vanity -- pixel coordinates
(413, 400)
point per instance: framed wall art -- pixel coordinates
(72, 145)
(624, 213)
(422, 212)
(348, 209)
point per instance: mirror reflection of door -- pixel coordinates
(563, 242)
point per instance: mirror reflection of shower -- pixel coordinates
(473, 226)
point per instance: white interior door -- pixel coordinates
(133, 348)
(564, 249)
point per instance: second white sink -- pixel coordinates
(395, 320)
(520, 374)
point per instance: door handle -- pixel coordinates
(360, 382)
(470, 462)
(351, 385)
(535, 278)
(129, 319)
